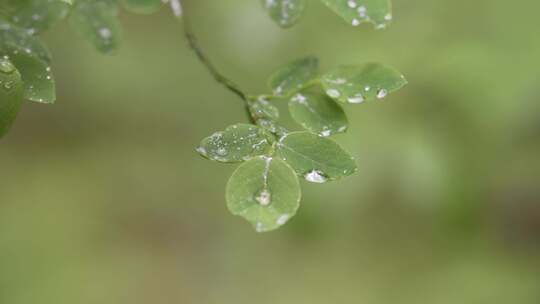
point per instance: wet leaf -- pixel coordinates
(36, 16)
(11, 95)
(264, 191)
(294, 76)
(318, 113)
(356, 12)
(38, 80)
(359, 83)
(97, 21)
(31, 58)
(261, 108)
(13, 38)
(285, 12)
(237, 143)
(317, 159)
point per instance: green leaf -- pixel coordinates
(355, 12)
(142, 6)
(261, 108)
(264, 191)
(13, 38)
(318, 113)
(237, 143)
(358, 83)
(11, 95)
(36, 74)
(294, 76)
(285, 12)
(36, 16)
(317, 159)
(97, 21)
(31, 58)
(264, 114)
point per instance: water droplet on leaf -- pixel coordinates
(282, 219)
(6, 67)
(315, 176)
(222, 151)
(333, 93)
(264, 197)
(382, 93)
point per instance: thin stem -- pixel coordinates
(201, 55)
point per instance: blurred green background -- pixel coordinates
(103, 199)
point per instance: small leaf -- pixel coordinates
(355, 12)
(32, 59)
(36, 16)
(264, 191)
(97, 21)
(358, 83)
(294, 76)
(38, 80)
(237, 143)
(143, 6)
(11, 95)
(285, 12)
(13, 38)
(317, 159)
(318, 113)
(261, 108)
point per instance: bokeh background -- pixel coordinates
(103, 199)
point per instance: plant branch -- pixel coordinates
(178, 8)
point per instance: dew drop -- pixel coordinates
(6, 67)
(382, 93)
(259, 227)
(264, 197)
(201, 150)
(362, 10)
(105, 33)
(282, 219)
(326, 133)
(333, 93)
(356, 99)
(221, 151)
(315, 176)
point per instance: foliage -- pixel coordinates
(265, 188)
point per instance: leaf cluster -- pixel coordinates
(265, 188)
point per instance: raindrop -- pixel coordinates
(326, 133)
(264, 197)
(259, 227)
(105, 33)
(201, 150)
(221, 151)
(315, 176)
(382, 93)
(6, 67)
(333, 93)
(282, 219)
(356, 99)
